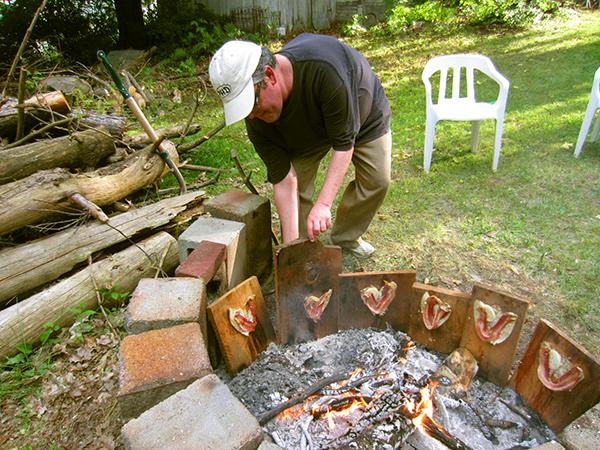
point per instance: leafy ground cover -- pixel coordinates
(531, 228)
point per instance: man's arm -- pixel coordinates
(285, 194)
(319, 218)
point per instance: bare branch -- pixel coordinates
(22, 46)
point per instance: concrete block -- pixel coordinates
(207, 262)
(583, 432)
(255, 212)
(205, 415)
(165, 302)
(157, 363)
(227, 232)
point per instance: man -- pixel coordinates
(315, 95)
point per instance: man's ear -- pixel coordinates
(270, 75)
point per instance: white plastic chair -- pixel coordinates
(592, 106)
(460, 108)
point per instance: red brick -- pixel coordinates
(203, 262)
(155, 364)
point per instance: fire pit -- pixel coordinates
(385, 391)
(346, 374)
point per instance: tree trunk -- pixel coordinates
(44, 194)
(79, 150)
(132, 31)
(23, 322)
(30, 265)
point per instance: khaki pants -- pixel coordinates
(362, 197)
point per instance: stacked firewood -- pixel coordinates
(63, 173)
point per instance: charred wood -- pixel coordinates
(500, 423)
(316, 387)
(439, 433)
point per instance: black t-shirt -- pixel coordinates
(322, 110)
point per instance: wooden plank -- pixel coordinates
(495, 361)
(238, 350)
(354, 313)
(303, 269)
(445, 338)
(557, 408)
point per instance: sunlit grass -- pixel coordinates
(532, 228)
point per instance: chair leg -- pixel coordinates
(498, 142)
(475, 126)
(596, 130)
(585, 127)
(428, 148)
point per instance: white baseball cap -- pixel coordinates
(230, 72)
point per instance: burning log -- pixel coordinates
(80, 150)
(439, 433)
(381, 397)
(46, 193)
(268, 415)
(391, 404)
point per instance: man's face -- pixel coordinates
(267, 98)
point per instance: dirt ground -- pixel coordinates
(74, 404)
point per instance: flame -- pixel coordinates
(292, 413)
(344, 411)
(424, 408)
(408, 346)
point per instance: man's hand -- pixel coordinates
(318, 221)
(319, 218)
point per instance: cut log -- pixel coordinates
(80, 150)
(23, 322)
(28, 266)
(115, 125)
(43, 103)
(44, 194)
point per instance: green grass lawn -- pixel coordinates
(533, 227)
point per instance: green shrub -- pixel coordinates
(355, 26)
(72, 30)
(431, 11)
(511, 13)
